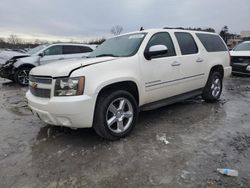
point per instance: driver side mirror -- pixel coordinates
(41, 54)
(156, 50)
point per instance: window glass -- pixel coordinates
(53, 50)
(186, 43)
(85, 49)
(120, 46)
(242, 47)
(37, 49)
(68, 49)
(162, 39)
(212, 43)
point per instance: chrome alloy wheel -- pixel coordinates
(23, 77)
(216, 87)
(119, 115)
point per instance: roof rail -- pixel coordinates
(174, 28)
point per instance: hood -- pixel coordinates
(240, 53)
(65, 67)
(10, 55)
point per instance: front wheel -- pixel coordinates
(21, 76)
(213, 88)
(115, 114)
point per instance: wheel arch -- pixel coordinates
(25, 65)
(217, 68)
(127, 85)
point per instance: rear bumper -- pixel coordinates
(74, 112)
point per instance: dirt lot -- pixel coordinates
(202, 137)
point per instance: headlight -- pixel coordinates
(69, 86)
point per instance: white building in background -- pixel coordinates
(245, 35)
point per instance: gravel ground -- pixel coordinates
(180, 145)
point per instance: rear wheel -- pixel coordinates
(21, 76)
(213, 88)
(115, 115)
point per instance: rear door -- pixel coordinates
(192, 62)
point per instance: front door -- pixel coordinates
(161, 73)
(53, 53)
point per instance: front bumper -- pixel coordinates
(74, 112)
(241, 68)
(6, 71)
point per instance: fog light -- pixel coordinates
(248, 68)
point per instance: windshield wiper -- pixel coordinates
(104, 55)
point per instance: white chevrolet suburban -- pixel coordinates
(128, 73)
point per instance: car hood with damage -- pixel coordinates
(10, 55)
(65, 67)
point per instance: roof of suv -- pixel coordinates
(168, 30)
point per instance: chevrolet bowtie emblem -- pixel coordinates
(34, 85)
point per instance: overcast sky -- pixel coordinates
(73, 19)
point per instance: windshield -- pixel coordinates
(242, 47)
(37, 49)
(121, 46)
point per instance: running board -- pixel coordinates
(171, 100)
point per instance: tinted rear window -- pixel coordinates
(212, 43)
(67, 49)
(186, 43)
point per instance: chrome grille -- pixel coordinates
(240, 59)
(40, 86)
(42, 80)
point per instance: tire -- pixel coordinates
(212, 91)
(115, 116)
(21, 76)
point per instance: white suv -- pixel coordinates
(132, 72)
(17, 69)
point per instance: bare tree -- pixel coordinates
(116, 30)
(37, 42)
(13, 39)
(224, 33)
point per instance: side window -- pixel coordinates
(186, 43)
(69, 49)
(85, 49)
(212, 43)
(162, 39)
(54, 50)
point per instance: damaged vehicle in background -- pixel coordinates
(17, 68)
(8, 55)
(240, 59)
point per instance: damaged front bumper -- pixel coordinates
(7, 70)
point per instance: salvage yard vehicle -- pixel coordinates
(128, 73)
(17, 68)
(240, 59)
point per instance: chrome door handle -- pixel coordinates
(199, 60)
(61, 58)
(175, 63)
